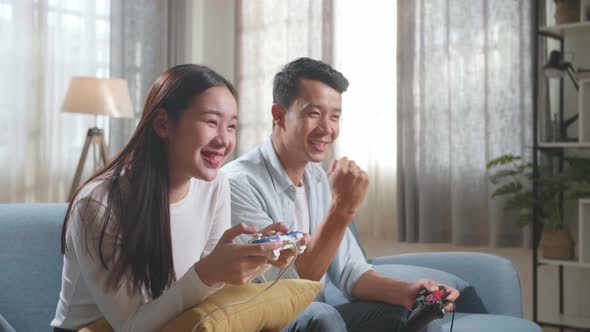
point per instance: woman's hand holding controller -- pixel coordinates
(232, 263)
(237, 264)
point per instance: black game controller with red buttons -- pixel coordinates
(428, 307)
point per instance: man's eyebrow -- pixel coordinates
(218, 113)
(337, 110)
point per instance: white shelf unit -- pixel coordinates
(584, 110)
(576, 272)
(564, 29)
(577, 221)
(575, 311)
(562, 319)
(561, 284)
(569, 263)
(575, 145)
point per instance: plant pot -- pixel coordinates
(557, 245)
(567, 11)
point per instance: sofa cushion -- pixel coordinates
(272, 310)
(407, 273)
(482, 323)
(483, 272)
(31, 263)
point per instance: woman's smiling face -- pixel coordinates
(205, 135)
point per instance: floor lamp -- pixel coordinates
(96, 96)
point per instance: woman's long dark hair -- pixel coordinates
(142, 228)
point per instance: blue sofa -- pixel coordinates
(30, 275)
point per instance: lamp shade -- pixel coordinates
(555, 67)
(100, 96)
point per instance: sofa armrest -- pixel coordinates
(30, 263)
(494, 282)
(4, 326)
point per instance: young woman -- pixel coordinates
(143, 240)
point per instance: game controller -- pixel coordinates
(428, 307)
(290, 241)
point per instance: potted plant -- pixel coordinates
(513, 178)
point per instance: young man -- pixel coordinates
(281, 181)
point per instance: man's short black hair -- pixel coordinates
(286, 81)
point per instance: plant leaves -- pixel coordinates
(502, 160)
(509, 188)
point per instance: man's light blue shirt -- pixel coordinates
(262, 193)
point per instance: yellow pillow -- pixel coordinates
(272, 310)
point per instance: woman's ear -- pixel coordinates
(278, 115)
(161, 123)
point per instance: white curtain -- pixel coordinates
(464, 98)
(365, 51)
(148, 37)
(357, 38)
(42, 44)
(269, 35)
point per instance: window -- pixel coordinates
(44, 43)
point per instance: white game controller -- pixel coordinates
(290, 241)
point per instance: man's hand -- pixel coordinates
(416, 287)
(348, 184)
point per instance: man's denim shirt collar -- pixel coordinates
(280, 179)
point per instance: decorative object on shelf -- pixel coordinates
(588, 12)
(513, 178)
(567, 11)
(556, 67)
(97, 96)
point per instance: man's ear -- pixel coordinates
(278, 115)
(161, 124)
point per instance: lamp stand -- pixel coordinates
(94, 137)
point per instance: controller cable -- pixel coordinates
(453, 316)
(279, 276)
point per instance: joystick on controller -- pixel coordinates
(290, 241)
(428, 307)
